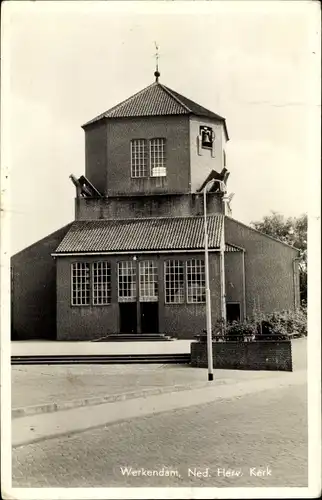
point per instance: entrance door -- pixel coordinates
(128, 317)
(149, 317)
(233, 311)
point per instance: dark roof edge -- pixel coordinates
(169, 92)
(138, 219)
(29, 247)
(263, 234)
(101, 115)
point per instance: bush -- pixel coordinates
(287, 323)
(276, 326)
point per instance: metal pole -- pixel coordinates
(208, 298)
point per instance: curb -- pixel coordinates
(29, 431)
(111, 398)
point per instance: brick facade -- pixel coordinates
(89, 322)
(265, 355)
(260, 274)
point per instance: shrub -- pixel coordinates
(277, 325)
(287, 323)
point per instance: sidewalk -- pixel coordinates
(34, 428)
(34, 347)
(39, 389)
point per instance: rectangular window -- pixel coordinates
(174, 282)
(157, 158)
(138, 158)
(127, 281)
(196, 291)
(101, 283)
(81, 292)
(148, 281)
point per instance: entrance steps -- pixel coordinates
(165, 358)
(134, 337)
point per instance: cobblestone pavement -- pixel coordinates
(266, 430)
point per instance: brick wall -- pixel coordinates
(265, 355)
(201, 165)
(33, 292)
(96, 155)
(124, 207)
(120, 132)
(89, 322)
(268, 269)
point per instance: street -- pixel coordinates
(254, 440)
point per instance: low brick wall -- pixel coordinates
(264, 355)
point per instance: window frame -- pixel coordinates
(76, 290)
(182, 262)
(132, 298)
(90, 265)
(109, 289)
(200, 283)
(145, 167)
(146, 264)
(157, 156)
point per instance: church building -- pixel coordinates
(133, 260)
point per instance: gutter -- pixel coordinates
(124, 252)
(222, 276)
(244, 285)
(296, 305)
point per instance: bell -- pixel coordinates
(207, 137)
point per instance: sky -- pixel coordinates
(63, 63)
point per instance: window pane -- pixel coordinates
(80, 289)
(138, 158)
(126, 281)
(148, 281)
(101, 283)
(174, 282)
(157, 158)
(196, 281)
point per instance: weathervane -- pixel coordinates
(156, 73)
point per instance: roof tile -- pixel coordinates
(157, 100)
(178, 233)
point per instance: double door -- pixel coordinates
(148, 317)
(138, 296)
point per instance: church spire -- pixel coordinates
(156, 73)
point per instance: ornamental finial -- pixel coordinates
(156, 73)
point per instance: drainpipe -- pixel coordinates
(207, 290)
(244, 285)
(222, 276)
(294, 280)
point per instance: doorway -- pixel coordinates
(149, 317)
(128, 317)
(233, 311)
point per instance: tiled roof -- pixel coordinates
(232, 248)
(157, 100)
(178, 233)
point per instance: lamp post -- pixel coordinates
(208, 298)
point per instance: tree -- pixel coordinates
(291, 230)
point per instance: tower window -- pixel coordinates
(196, 281)
(157, 158)
(138, 158)
(174, 282)
(225, 159)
